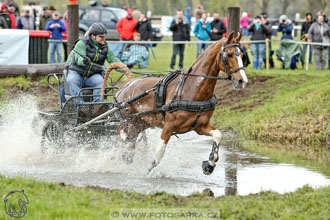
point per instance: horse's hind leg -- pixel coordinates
(210, 130)
(129, 132)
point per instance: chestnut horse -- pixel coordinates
(223, 55)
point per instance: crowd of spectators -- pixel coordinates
(314, 29)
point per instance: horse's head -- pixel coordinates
(230, 60)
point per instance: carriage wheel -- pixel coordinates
(52, 137)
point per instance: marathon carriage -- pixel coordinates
(70, 114)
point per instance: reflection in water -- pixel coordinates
(231, 160)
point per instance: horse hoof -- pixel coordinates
(128, 157)
(207, 168)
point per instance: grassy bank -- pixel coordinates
(50, 201)
(292, 107)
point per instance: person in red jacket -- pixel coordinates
(126, 29)
(11, 13)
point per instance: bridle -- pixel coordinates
(223, 58)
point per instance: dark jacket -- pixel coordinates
(305, 28)
(220, 26)
(44, 20)
(259, 34)
(269, 30)
(181, 31)
(144, 28)
(7, 19)
(286, 29)
(95, 52)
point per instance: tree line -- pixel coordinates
(274, 8)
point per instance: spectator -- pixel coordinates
(52, 9)
(285, 26)
(244, 21)
(33, 9)
(5, 15)
(218, 27)
(144, 28)
(264, 18)
(65, 35)
(136, 13)
(14, 4)
(26, 21)
(126, 29)
(202, 31)
(45, 18)
(188, 14)
(136, 54)
(105, 4)
(259, 32)
(181, 32)
(319, 32)
(225, 22)
(199, 12)
(124, 6)
(57, 27)
(304, 34)
(11, 13)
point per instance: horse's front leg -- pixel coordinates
(160, 151)
(210, 130)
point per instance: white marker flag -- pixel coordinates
(14, 46)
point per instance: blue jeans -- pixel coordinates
(55, 46)
(258, 51)
(75, 80)
(201, 47)
(121, 48)
(310, 52)
(245, 32)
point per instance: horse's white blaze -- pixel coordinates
(242, 72)
(160, 151)
(123, 135)
(216, 134)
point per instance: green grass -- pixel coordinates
(51, 201)
(296, 106)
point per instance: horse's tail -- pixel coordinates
(112, 66)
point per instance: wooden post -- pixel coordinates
(73, 24)
(307, 56)
(233, 17)
(267, 54)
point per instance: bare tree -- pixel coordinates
(284, 5)
(263, 5)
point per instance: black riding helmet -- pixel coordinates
(98, 29)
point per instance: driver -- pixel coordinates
(86, 60)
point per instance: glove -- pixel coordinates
(86, 61)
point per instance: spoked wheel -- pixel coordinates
(52, 137)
